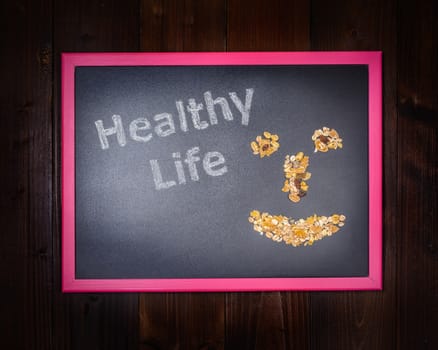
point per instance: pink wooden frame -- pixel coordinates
(71, 60)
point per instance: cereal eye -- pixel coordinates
(325, 139)
(266, 145)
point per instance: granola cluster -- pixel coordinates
(266, 145)
(326, 139)
(294, 168)
(305, 232)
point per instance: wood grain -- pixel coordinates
(363, 320)
(91, 321)
(182, 321)
(417, 130)
(267, 321)
(187, 25)
(26, 280)
(188, 320)
(274, 25)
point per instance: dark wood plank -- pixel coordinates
(275, 25)
(268, 320)
(188, 320)
(417, 273)
(363, 320)
(26, 175)
(97, 26)
(187, 25)
(182, 321)
(101, 321)
(91, 321)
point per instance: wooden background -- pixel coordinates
(34, 314)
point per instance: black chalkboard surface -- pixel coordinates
(165, 177)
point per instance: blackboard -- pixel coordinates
(160, 177)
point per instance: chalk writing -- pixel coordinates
(165, 124)
(213, 164)
(116, 129)
(142, 130)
